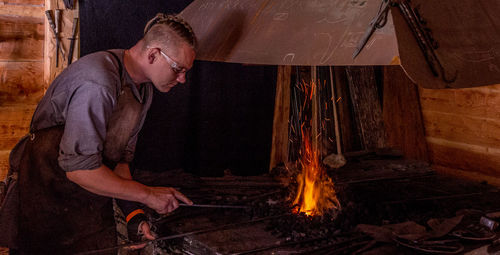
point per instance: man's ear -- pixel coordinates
(152, 55)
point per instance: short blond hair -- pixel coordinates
(167, 31)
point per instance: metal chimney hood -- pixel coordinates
(327, 32)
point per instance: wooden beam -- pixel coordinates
(21, 82)
(480, 102)
(4, 164)
(475, 176)
(463, 128)
(21, 39)
(367, 106)
(349, 137)
(467, 157)
(402, 115)
(15, 10)
(14, 123)
(25, 2)
(279, 150)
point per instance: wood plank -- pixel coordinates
(15, 10)
(18, 28)
(4, 163)
(463, 128)
(348, 130)
(480, 101)
(279, 151)
(367, 106)
(22, 39)
(402, 114)
(21, 50)
(21, 82)
(463, 156)
(14, 124)
(25, 2)
(493, 180)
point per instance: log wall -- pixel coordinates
(27, 64)
(463, 131)
(21, 70)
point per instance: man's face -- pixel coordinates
(170, 66)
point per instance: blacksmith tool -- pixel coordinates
(56, 33)
(50, 19)
(378, 22)
(69, 4)
(72, 41)
(55, 30)
(425, 40)
(216, 206)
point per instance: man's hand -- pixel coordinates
(164, 200)
(145, 229)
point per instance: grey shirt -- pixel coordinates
(82, 98)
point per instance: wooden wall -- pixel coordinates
(21, 70)
(463, 131)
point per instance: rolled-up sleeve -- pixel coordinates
(87, 114)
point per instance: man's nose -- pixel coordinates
(181, 78)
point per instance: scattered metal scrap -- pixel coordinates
(201, 231)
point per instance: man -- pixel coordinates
(82, 138)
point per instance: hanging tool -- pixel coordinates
(69, 4)
(72, 41)
(58, 28)
(424, 39)
(50, 19)
(378, 22)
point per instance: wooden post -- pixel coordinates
(403, 115)
(367, 106)
(279, 150)
(348, 130)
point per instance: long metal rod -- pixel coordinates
(202, 231)
(216, 206)
(335, 117)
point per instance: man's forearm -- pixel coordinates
(104, 182)
(123, 170)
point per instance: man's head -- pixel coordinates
(169, 46)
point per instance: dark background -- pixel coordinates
(220, 119)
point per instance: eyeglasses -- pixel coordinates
(174, 65)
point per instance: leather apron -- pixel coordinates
(57, 216)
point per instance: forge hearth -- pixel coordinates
(376, 192)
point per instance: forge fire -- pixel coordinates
(315, 190)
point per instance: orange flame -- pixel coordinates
(316, 192)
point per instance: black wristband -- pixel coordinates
(133, 227)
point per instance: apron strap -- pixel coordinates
(120, 67)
